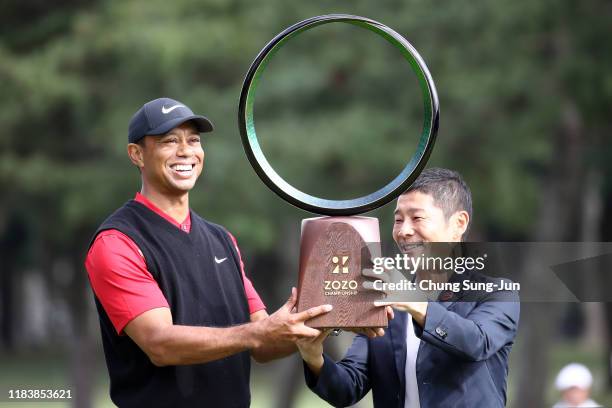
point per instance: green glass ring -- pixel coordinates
(319, 205)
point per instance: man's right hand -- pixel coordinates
(286, 325)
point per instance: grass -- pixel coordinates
(44, 369)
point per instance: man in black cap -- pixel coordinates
(178, 316)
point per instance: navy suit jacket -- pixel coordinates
(462, 360)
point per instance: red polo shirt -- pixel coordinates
(120, 279)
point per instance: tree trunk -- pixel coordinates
(12, 241)
(559, 199)
(591, 217)
(83, 349)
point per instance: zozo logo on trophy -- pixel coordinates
(336, 260)
(340, 287)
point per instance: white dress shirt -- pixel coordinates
(412, 350)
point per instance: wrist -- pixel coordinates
(255, 335)
(315, 363)
(419, 313)
(313, 357)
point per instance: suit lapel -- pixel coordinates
(397, 331)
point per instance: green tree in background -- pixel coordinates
(525, 90)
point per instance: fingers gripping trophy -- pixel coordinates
(335, 246)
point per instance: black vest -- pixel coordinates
(201, 292)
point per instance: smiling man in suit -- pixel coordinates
(449, 352)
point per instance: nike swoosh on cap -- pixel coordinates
(165, 110)
(219, 260)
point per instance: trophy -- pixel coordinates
(335, 247)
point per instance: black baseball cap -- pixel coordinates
(161, 115)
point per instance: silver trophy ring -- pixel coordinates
(321, 205)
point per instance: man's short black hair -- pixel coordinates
(448, 189)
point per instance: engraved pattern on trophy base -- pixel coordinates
(330, 273)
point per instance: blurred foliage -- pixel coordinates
(335, 114)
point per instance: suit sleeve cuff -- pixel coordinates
(434, 324)
(313, 381)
